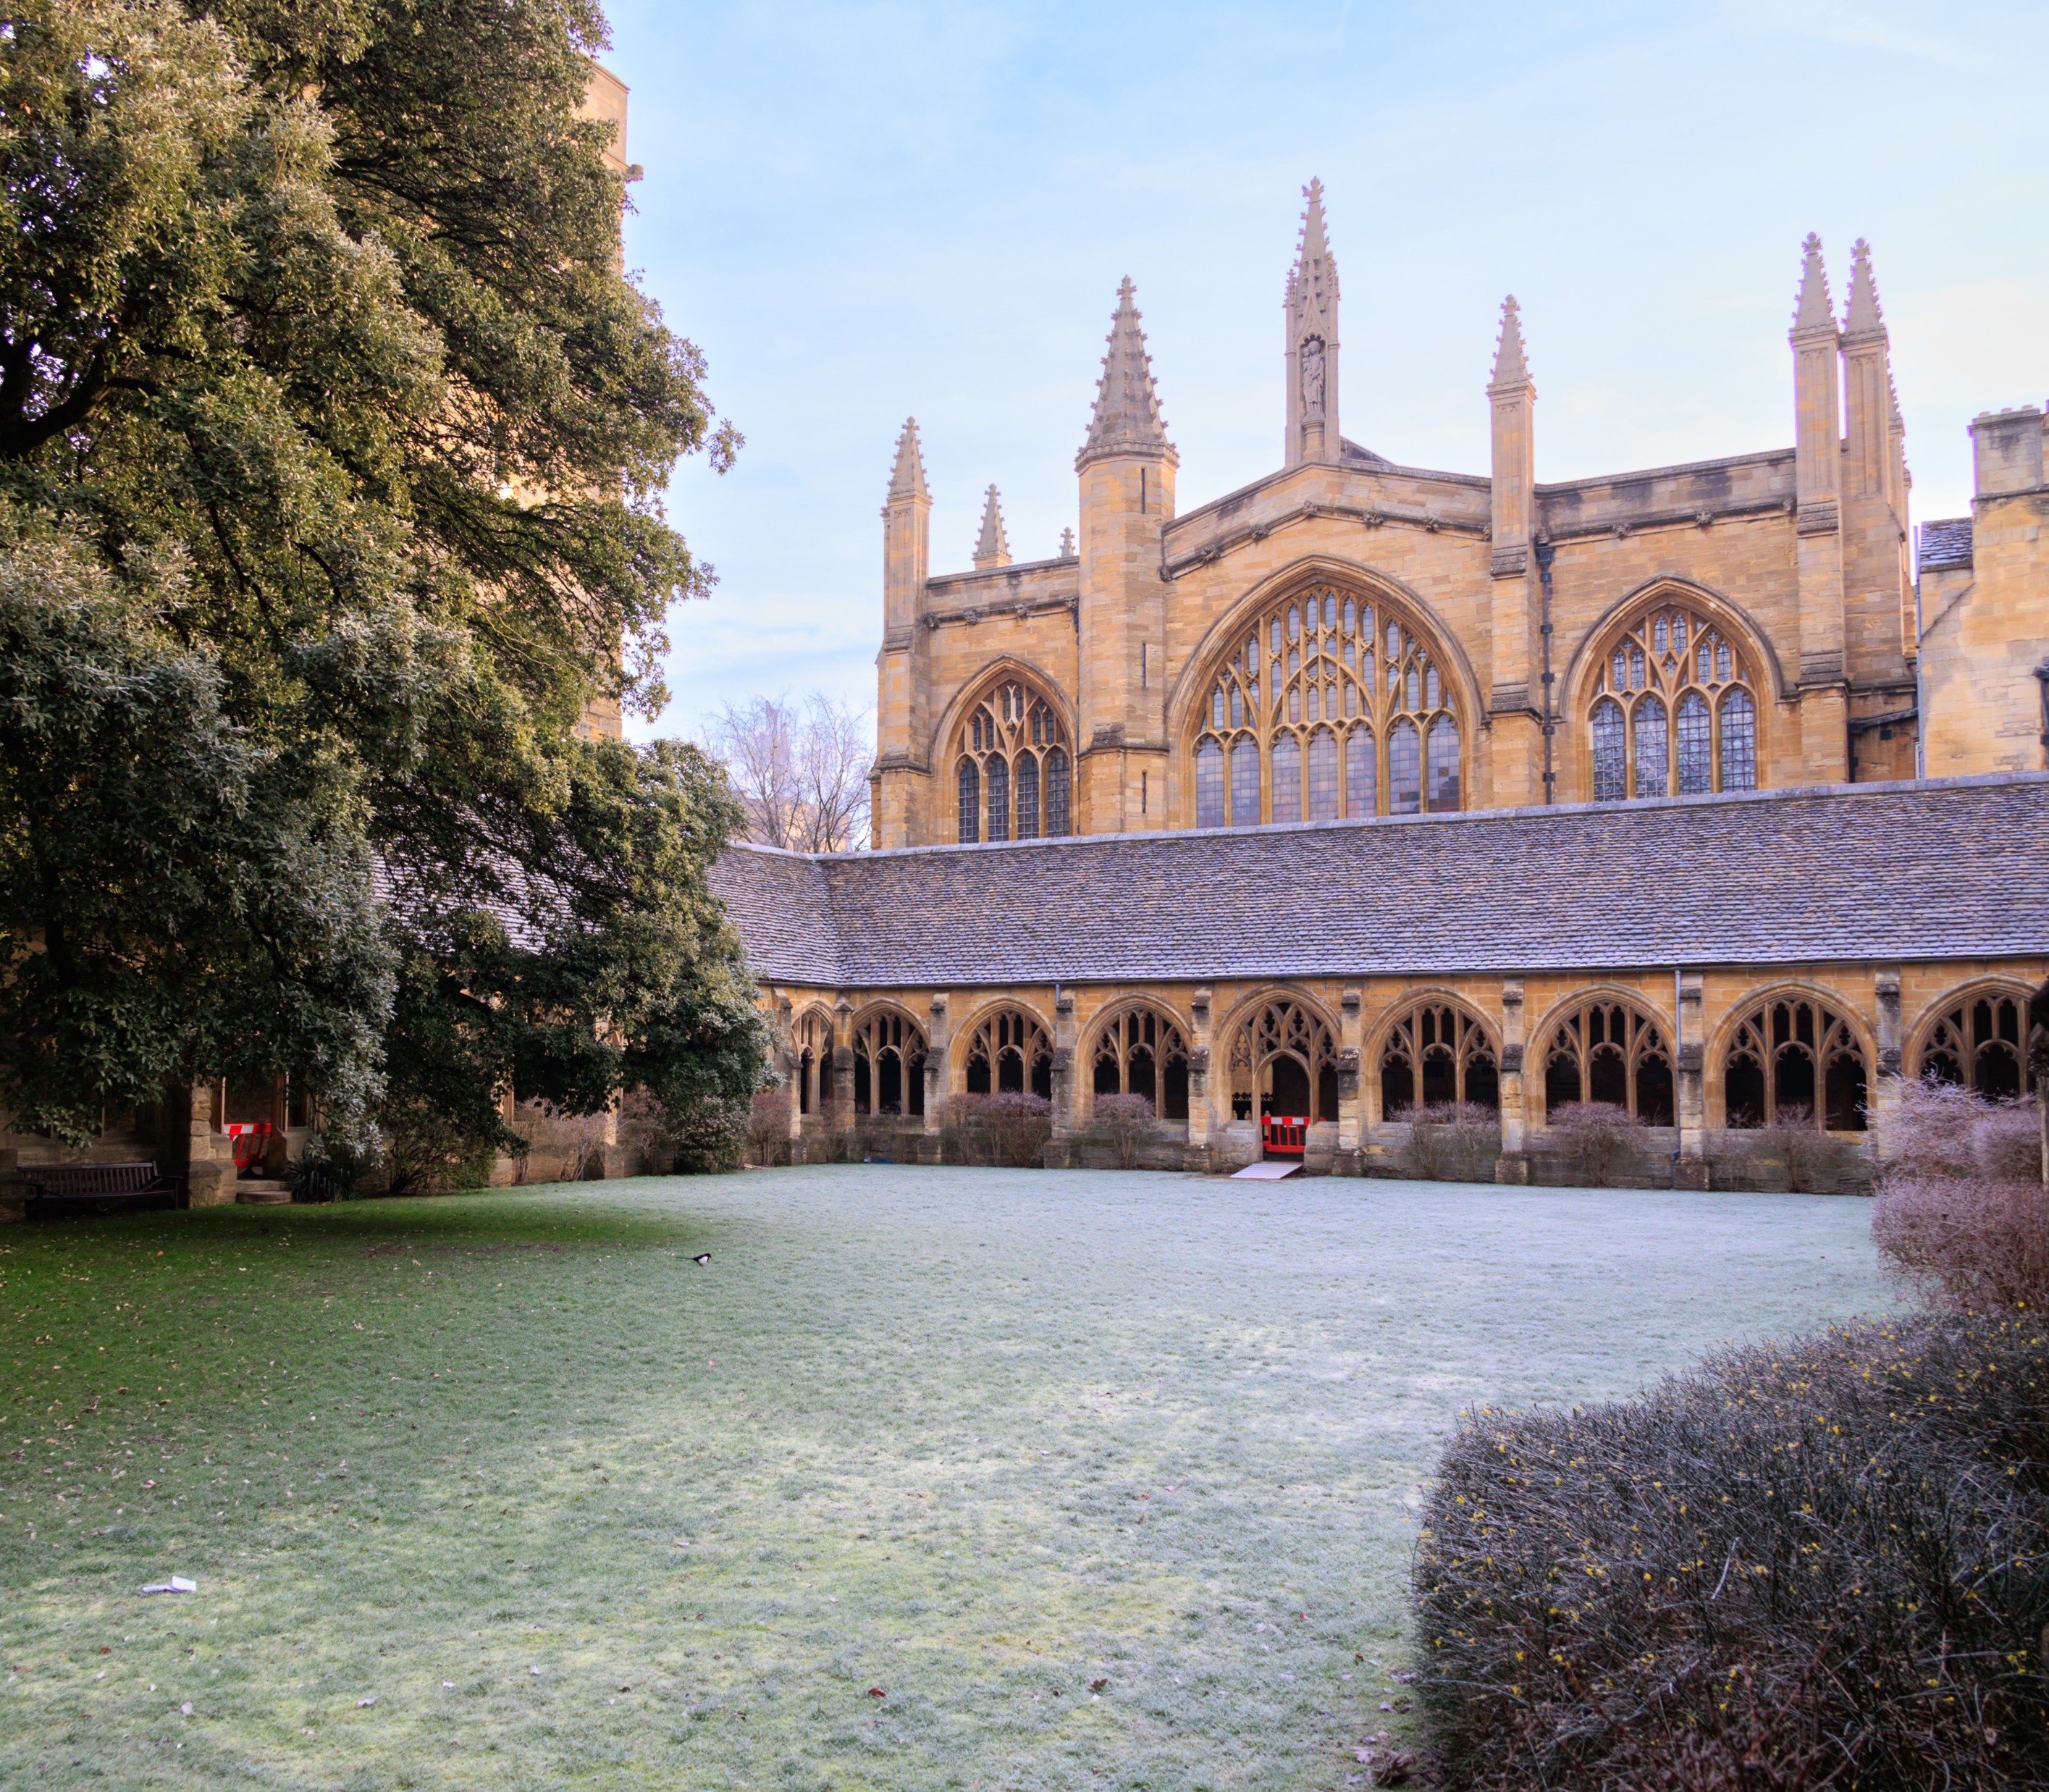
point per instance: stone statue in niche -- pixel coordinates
(1312, 377)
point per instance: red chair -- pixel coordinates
(250, 1140)
(1285, 1135)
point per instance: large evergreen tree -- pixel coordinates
(331, 440)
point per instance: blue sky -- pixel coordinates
(860, 212)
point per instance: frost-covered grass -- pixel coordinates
(979, 1439)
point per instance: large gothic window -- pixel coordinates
(889, 1066)
(1331, 705)
(1141, 1052)
(810, 1044)
(1009, 1053)
(1013, 771)
(1283, 1060)
(1981, 1044)
(1795, 1058)
(1611, 1052)
(1674, 712)
(1437, 1054)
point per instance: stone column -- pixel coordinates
(792, 1066)
(935, 1080)
(839, 1116)
(1885, 1096)
(1350, 1160)
(209, 1165)
(1060, 1148)
(1513, 1165)
(1691, 1170)
(1200, 1116)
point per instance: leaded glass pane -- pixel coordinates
(1216, 708)
(1359, 774)
(1209, 784)
(1652, 776)
(1739, 742)
(1415, 689)
(1287, 779)
(1610, 755)
(1661, 635)
(1245, 783)
(1027, 796)
(999, 798)
(1430, 687)
(1696, 765)
(1678, 634)
(1621, 670)
(1330, 610)
(1404, 770)
(970, 801)
(1443, 764)
(1273, 634)
(1323, 775)
(1351, 616)
(1721, 659)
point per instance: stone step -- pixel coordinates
(262, 1195)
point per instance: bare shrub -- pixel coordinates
(1453, 1140)
(1011, 1128)
(1812, 1158)
(768, 1128)
(1752, 1576)
(1127, 1121)
(1594, 1134)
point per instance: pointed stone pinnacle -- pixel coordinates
(1067, 545)
(1815, 311)
(1313, 281)
(907, 479)
(1510, 370)
(1126, 419)
(993, 549)
(1864, 319)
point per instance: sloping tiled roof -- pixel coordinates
(1874, 873)
(1946, 543)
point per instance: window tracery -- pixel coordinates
(1611, 1051)
(1333, 705)
(1795, 1053)
(1981, 1043)
(1284, 1059)
(810, 1042)
(1436, 1053)
(889, 1065)
(1141, 1052)
(1014, 777)
(1009, 1053)
(1674, 712)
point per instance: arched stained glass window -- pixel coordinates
(1405, 769)
(1672, 711)
(970, 802)
(1209, 782)
(1336, 667)
(1610, 753)
(1012, 725)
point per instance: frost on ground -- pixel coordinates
(929, 1478)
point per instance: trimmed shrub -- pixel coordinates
(1593, 1134)
(1127, 1120)
(1820, 1563)
(1453, 1140)
(1010, 1129)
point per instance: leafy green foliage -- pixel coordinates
(319, 376)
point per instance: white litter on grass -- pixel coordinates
(364, 1705)
(177, 1583)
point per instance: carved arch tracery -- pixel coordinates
(1671, 707)
(1795, 1053)
(1607, 1049)
(1140, 1050)
(810, 1051)
(889, 1064)
(1978, 1039)
(1013, 764)
(1008, 1052)
(1437, 1051)
(1283, 1060)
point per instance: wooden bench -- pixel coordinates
(51, 1191)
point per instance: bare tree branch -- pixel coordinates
(801, 772)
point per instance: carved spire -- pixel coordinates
(1126, 419)
(907, 479)
(1511, 372)
(1815, 311)
(1864, 319)
(993, 548)
(1312, 282)
(1310, 312)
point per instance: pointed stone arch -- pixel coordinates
(1268, 1032)
(889, 1048)
(1138, 1047)
(811, 1056)
(1793, 1043)
(1329, 690)
(1432, 1048)
(1006, 1046)
(1605, 1043)
(1976, 1036)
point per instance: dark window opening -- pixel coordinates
(1654, 1092)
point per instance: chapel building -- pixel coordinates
(1368, 787)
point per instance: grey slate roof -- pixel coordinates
(1873, 873)
(1946, 543)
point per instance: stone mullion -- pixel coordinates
(1200, 1116)
(1513, 1164)
(1690, 1084)
(1350, 1154)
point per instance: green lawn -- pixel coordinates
(573, 1509)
